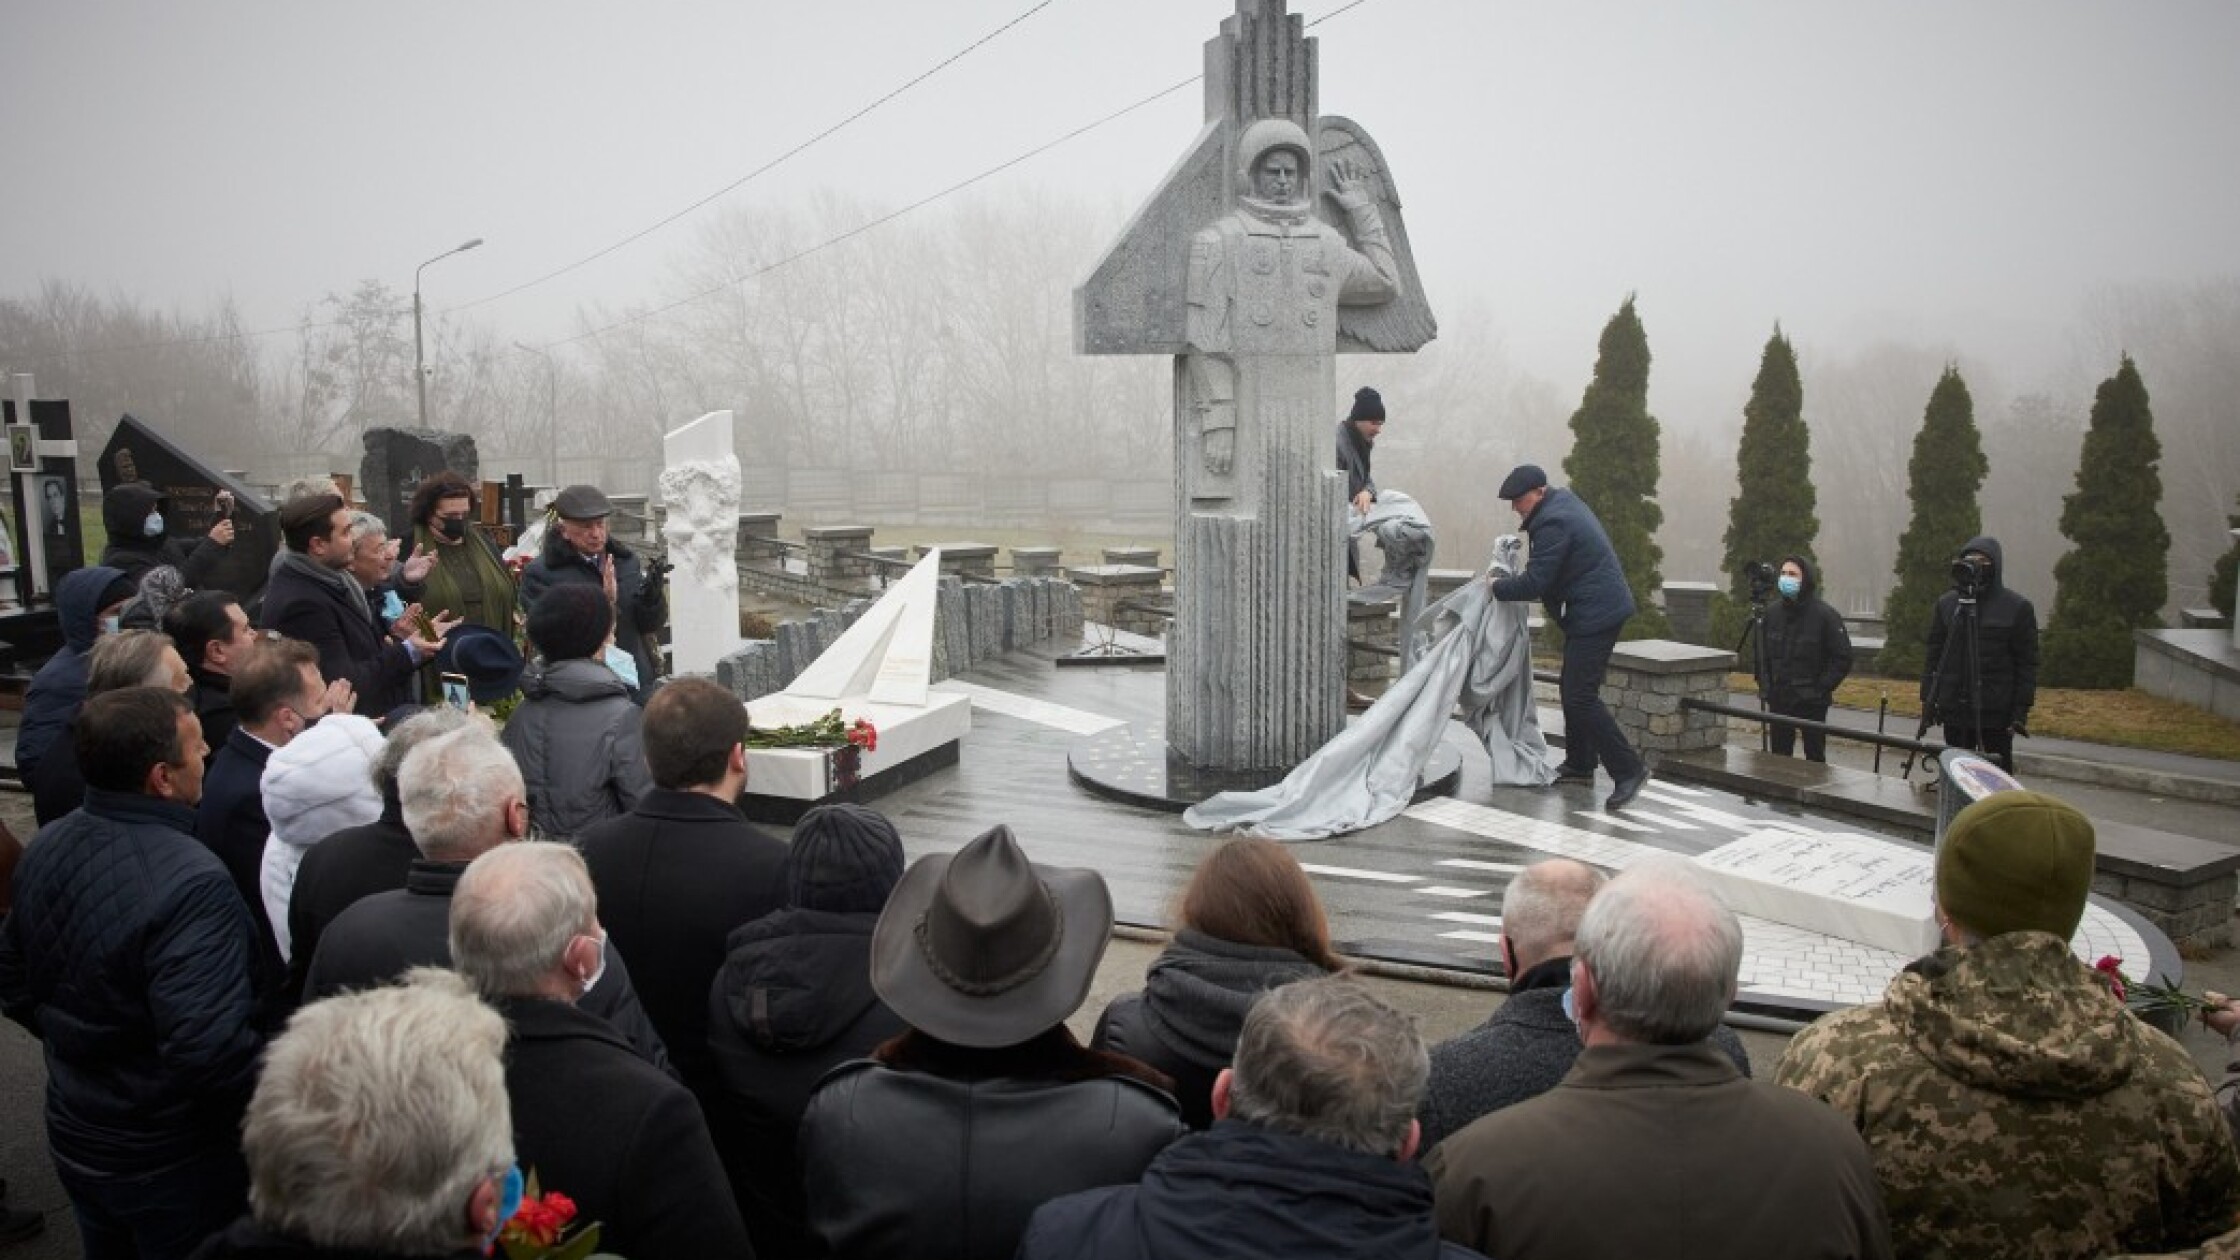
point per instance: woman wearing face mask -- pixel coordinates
(139, 520)
(449, 562)
(576, 734)
(1806, 653)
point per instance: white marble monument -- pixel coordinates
(1274, 243)
(1856, 888)
(700, 489)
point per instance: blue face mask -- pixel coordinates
(1570, 1008)
(624, 665)
(392, 607)
(509, 1202)
(1790, 587)
(153, 526)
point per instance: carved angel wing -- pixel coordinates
(1405, 323)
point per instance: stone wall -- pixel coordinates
(1647, 681)
(2196, 915)
(973, 623)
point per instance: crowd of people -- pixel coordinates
(319, 977)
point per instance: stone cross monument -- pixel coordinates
(1273, 244)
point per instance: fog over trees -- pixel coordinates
(941, 343)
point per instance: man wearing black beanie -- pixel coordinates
(1356, 434)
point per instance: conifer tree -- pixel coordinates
(1613, 461)
(1942, 480)
(2224, 579)
(2117, 573)
(1774, 513)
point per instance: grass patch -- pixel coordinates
(2127, 719)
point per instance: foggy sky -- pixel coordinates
(1935, 172)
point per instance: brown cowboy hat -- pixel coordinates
(984, 948)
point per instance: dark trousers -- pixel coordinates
(157, 1216)
(1590, 733)
(1784, 738)
(1995, 742)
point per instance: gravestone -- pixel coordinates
(51, 537)
(1275, 242)
(137, 451)
(700, 489)
(398, 460)
(1856, 888)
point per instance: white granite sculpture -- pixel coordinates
(700, 489)
(1239, 267)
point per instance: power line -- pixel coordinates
(861, 228)
(766, 167)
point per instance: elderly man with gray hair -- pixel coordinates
(461, 796)
(380, 1127)
(1654, 1144)
(1310, 1155)
(598, 1123)
(1528, 1044)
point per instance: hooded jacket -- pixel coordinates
(576, 735)
(2013, 1107)
(2006, 652)
(641, 607)
(792, 1002)
(1191, 1011)
(1804, 650)
(319, 784)
(124, 512)
(1240, 1191)
(60, 685)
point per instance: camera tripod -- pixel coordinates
(1754, 635)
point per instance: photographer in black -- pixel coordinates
(1804, 653)
(1981, 672)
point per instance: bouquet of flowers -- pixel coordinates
(829, 731)
(540, 1229)
(2164, 1005)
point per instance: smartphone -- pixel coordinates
(455, 690)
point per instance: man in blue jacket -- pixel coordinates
(130, 954)
(1574, 573)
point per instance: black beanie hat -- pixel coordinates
(1367, 405)
(844, 859)
(119, 590)
(570, 621)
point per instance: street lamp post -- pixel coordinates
(551, 409)
(419, 361)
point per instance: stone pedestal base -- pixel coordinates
(1133, 765)
(1648, 679)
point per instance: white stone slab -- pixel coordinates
(700, 489)
(804, 774)
(887, 655)
(1856, 888)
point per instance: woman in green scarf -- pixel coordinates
(468, 576)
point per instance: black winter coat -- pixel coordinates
(60, 685)
(57, 785)
(350, 646)
(382, 937)
(131, 956)
(1188, 1017)
(624, 1140)
(675, 875)
(1571, 568)
(231, 821)
(937, 1151)
(2006, 652)
(1243, 1192)
(339, 872)
(1805, 650)
(641, 608)
(212, 698)
(124, 511)
(793, 1001)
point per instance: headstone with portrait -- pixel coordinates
(46, 501)
(137, 451)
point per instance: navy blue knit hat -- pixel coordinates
(1367, 405)
(844, 859)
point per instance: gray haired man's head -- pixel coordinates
(1325, 1059)
(377, 1118)
(515, 918)
(1541, 909)
(1663, 954)
(409, 734)
(462, 795)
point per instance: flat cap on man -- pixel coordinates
(1521, 481)
(582, 503)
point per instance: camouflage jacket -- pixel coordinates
(2014, 1108)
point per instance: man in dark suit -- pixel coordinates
(676, 874)
(595, 1120)
(312, 597)
(277, 695)
(213, 634)
(1574, 573)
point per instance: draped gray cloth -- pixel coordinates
(1403, 534)
(1479, 658)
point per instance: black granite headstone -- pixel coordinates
(398, 460)
(137, 452)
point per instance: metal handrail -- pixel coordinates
(1807, 724)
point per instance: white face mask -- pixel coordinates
(109, 625)
(624, 665)
(153, 526)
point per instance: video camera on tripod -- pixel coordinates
(1971, 577)
(1763, 578)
